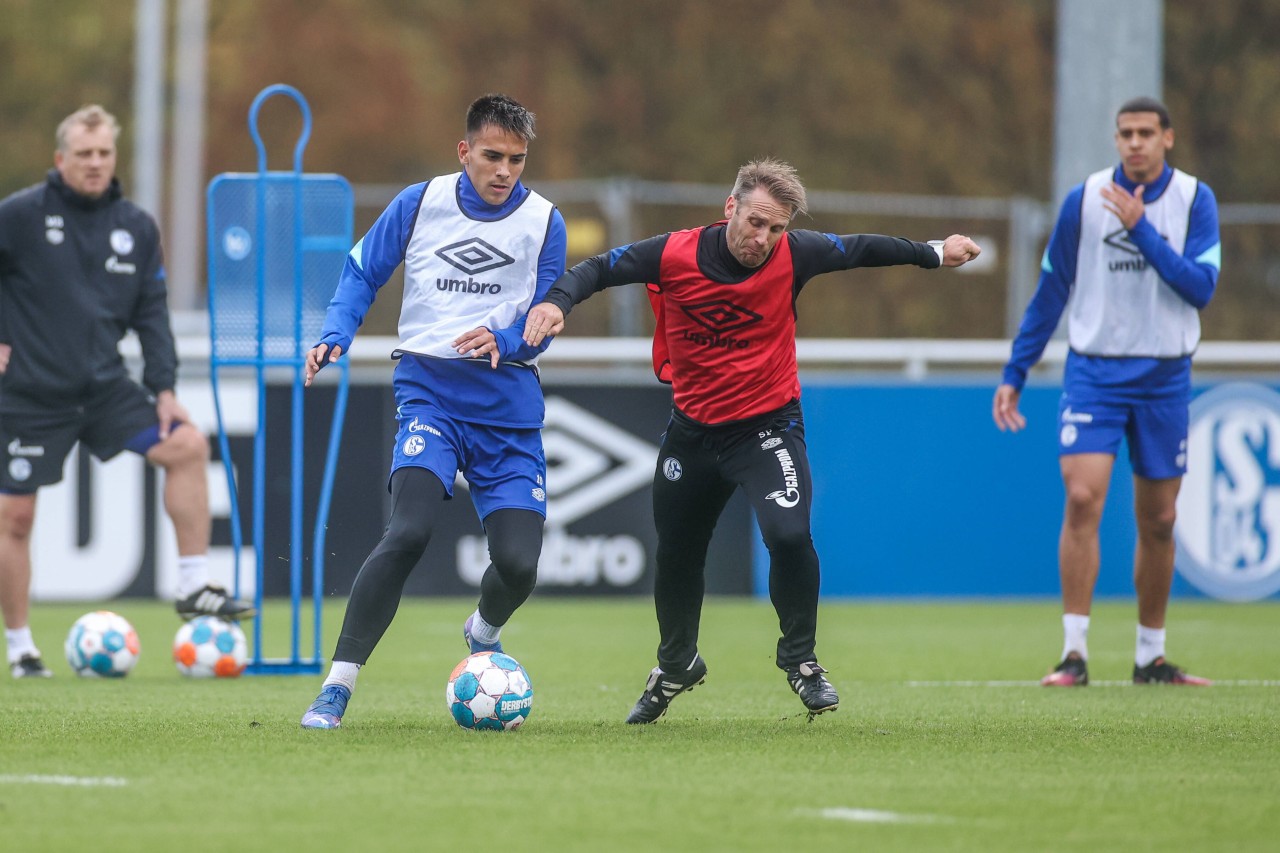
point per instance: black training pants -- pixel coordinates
(515, 543)
(698, 469)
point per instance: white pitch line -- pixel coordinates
(1235, 683)
(970, 683)
(855, 815)
(82, 781)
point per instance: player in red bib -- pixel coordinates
(724, 297)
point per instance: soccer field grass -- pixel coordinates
(941, 741)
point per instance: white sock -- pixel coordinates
(344, 673)
(20, 642)
(1075, 635)
(1150, 645)
(193, 574)
(482, 631)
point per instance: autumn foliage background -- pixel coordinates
(935, 97)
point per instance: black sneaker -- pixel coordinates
(814, 690)
(663, 687)
(1160, 671)
(214, 600)
(29, 666)
(1071, 672)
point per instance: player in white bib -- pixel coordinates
(1134, 256)
(478, 249)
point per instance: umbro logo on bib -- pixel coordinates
(1119, 239)
(474, 256)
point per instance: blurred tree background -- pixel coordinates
(935, 97)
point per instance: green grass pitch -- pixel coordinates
(942, 741)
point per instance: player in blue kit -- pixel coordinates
(1136, 249)
(478, 249)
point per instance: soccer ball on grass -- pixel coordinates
(209, 647)
(102, 644)
(489, 690)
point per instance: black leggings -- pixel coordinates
(515, 543)
(698, 470)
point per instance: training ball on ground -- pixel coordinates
(209, 647)
(489, 690)
(102, 644)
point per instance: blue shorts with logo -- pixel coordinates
(505, 468)
(1156, 431)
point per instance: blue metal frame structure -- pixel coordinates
(246, 331)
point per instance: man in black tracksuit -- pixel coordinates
(80, 265)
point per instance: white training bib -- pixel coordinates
(461, 273)
(1119, 304)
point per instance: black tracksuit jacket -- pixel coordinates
(75, 275)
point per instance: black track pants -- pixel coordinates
(515, 542)
(698, 469)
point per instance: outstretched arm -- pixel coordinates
(815, 252)
(634, 263)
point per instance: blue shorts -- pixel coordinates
(1155, 429)
(505, 468)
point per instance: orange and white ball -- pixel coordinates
(209, 647)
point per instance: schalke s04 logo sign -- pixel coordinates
(1228, 530)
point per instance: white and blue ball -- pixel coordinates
(209, 647)
(489, 691)
(102, 644)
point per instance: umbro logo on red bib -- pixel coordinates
(721, 316)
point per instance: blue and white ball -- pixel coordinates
(209, 647)
(489, 690)
(102, 644)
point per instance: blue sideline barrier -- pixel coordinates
(917, 494)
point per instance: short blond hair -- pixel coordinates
(778, 179)
(90, 116)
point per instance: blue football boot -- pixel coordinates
(326, 712)
(475, 645)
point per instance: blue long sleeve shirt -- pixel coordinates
(467, 389)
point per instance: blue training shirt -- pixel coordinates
(464, 388)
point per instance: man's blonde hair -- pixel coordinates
(90, 116)
(778, 179)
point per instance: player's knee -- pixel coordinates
(195, 444)
(1083, 503)
(17, 518)
(1158, 524)
(789, 540)
(406, 537)
(688, 559)
(186, 444)
(517, 566)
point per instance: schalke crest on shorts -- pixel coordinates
(1228, 529)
